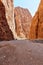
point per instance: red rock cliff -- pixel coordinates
(22, 22)
(36, 30)
(5, 31)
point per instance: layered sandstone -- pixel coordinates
(22, 22)
(9, 28)
(21, 53)
(7, 24)
(36, 29)
(6, 19)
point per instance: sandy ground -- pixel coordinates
(21, 52)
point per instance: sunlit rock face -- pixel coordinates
(9, 28)
(6, 19)
(7, 24)
(22, 22)
(36, 29)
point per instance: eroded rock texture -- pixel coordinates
(22, 22)
(36, 30)
(21, 53)
(6, 19)
(13, 29)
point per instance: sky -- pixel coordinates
(31, 5)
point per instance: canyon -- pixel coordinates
(16, 26)
(17, 22)
(9, 28)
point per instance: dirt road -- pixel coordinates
(21, 52)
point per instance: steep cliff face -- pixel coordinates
(9, 28)
(36, 29)
(5, 20)
(9, 9)
(7, 24)
(22, 22)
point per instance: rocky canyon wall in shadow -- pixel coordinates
(5, 32)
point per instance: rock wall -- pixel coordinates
(22, 22)
(7, 24)
(6, 18)
(36, 29)
(9, 28)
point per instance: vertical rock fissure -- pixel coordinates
(7, 3)
(37, 27)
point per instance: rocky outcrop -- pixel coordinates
(36, 29)
(22, 22)
(9, 28)
(6, 20)
(7, 24)
(21, 53)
